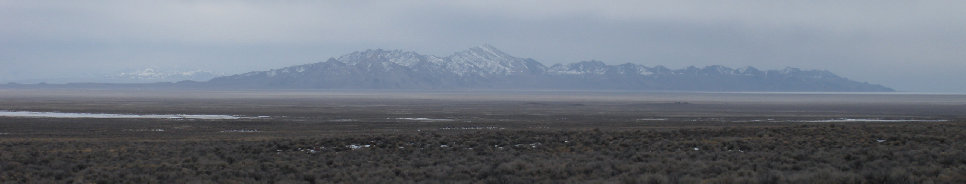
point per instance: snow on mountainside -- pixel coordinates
(488, 61)
(487, 67)
(482, 61)
(157, 75)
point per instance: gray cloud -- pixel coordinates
(909, 45)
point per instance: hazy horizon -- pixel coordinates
(908, 46)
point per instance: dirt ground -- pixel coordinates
(483, 137)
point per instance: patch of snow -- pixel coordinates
(272, 73)
(471, 128)
(880, 140)
(187, 116)
(652, 119)
(571, 72)
(843, 120)
(697, 149)
(144, 130)
(355, 146)
(645, 72)
(531, 145)
(240, 131)
(425, 119)
(31, 114)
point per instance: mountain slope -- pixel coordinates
(487, 67)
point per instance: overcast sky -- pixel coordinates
(907, 45)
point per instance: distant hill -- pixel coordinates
(486, 67)
(148, 75)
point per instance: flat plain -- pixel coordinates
(302, 136)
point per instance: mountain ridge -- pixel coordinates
(486, 67)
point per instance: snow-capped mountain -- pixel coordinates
(148, 75)
(487, 67)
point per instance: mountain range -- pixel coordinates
(148, 75)
(486, 67)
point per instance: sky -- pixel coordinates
(913, 46)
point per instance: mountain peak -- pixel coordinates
(590, 63)
(490, 61)
(487, 46)
(486, 51)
